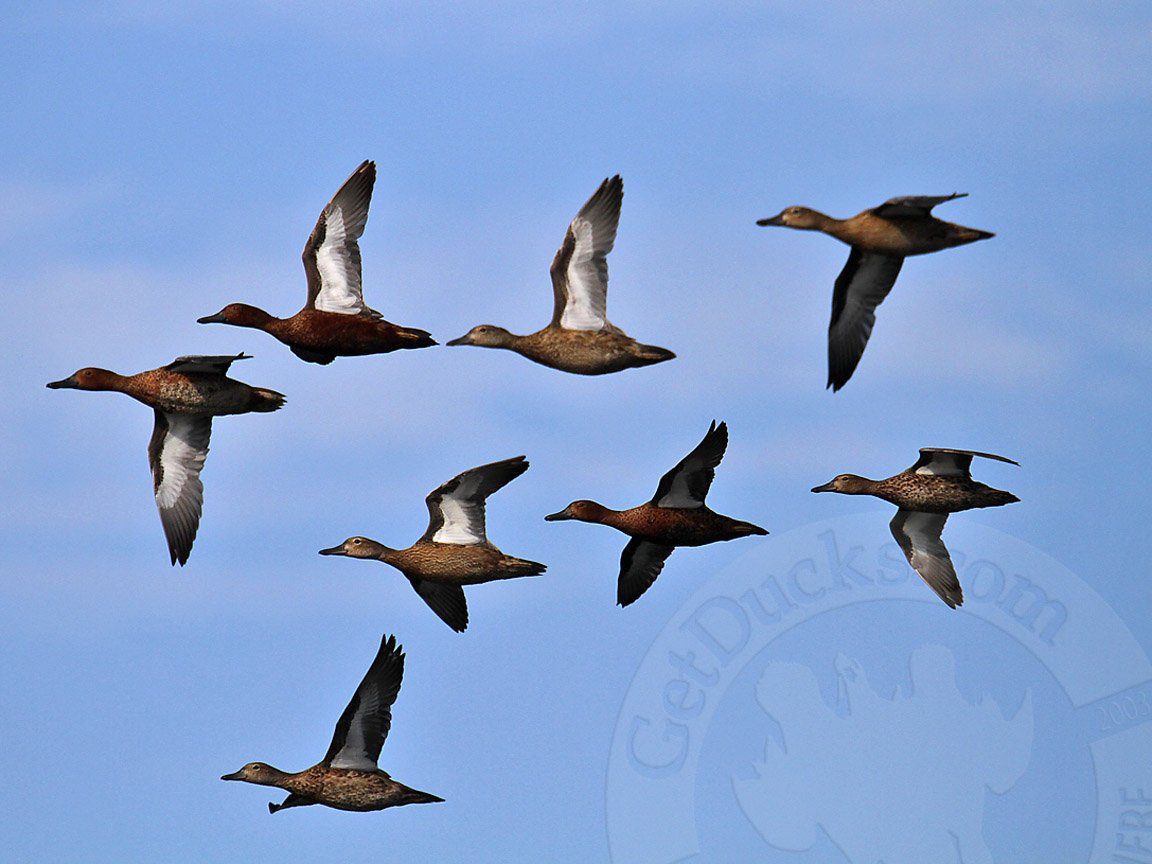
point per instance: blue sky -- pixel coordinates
(159, 164)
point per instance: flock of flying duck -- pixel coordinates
(455, 551)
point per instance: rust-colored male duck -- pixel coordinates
(580, 338)
(185, 395)
(348, 778)
(335, 322)
(676, 516)
(938, 484)
(454, 551)
(881, 238)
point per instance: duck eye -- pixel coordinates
(356, 541)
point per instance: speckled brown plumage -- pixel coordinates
(938, 483)
(348, 777)
(580, 339)
(455, 550)
(881, 238)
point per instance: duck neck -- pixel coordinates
(244, 315)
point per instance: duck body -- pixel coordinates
(927, 493)
(455, 564)
(194, 393)
(342, 789)
(581, 352)
(674, 526)
(899, 235)
(317, 336)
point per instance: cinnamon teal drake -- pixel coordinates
(454, 551)
(580, 338)
(185, 395)
(335, 322)
(676, 516)
(348, 777)
(881, 238)
(938, 484)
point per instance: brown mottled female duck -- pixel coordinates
(881, 238)
(676, 516)
(580, 338)
(454, 551)
(185, 395)
(335, 322)
(938, 484)
(348, 777)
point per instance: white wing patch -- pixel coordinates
(586, 308)
(680, 496)
(181, 459)
(340, 288)
(946, 465)
(458, 522)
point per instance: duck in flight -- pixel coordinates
(676, 516)
(881, 238)
(185, 395)
(580, 338)
(455, 550)
(938, 484)
(335, 322)
(348, 777)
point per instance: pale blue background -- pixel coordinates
(158, 164)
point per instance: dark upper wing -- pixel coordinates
(447, 601)
(580, 268)
(914, 205)
(364, 725)
(456, 509)
(640, 564)
(919, 536)
(176, 454)
(946, 462)
(332, 253)
(212, 364)
(687, 484)
(861, 286)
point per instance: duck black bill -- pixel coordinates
(557, 517)
(235, 775)
(211, 319)
(70, 381)
(335, 550)
(827, 487)
(771, 220)
(463, 340)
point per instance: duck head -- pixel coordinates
(582, 511)
(89, 378)
(358, 547)
(486, 336)
(802, 218)
(847, 484)
(238, 314)
(256, 772)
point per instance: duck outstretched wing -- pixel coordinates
(364, 725)
(332, 254)
(580, 268)
(456, 509)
